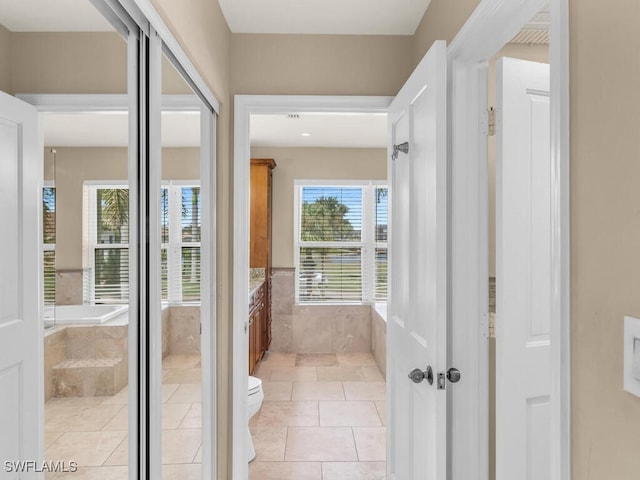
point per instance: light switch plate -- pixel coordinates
(632, 355)
(635, 367)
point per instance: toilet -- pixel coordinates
(254, 403)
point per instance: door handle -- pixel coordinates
(453, 375)
(416, 375)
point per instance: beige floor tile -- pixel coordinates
(119, 423)
(317, 391)
(168, 389)
(348, 414)
(263, 371)
(120, 455)
(253, 421)
(56, 404)
(381, 406)
(181, 361)
(192, 417)
(120, 398)
(188, 393)
(372, 374)
(88, 449)
(340, 374)
(284, 414)
(187, 471)
(354, 470)
(93, 473)
(356, 359)
(180, 446)
(329, 444)
(269, 443)
(371, 443)
(80, 419)
(316, 360)
(182, 375)
(174, 414)
(285, 471)
(50, 437)
(365, 390)
(296, 374)
(198, 457)
(279, 359)
(276, 390)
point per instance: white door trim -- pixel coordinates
(491, 25)
(245, 105)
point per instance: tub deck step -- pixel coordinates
(89, 377)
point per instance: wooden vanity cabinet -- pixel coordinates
(257, 322)
(260, 245)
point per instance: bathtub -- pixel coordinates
(86, 314)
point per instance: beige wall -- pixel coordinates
(68, 63)
(312, 164)
(5, 60)
(442, 21)
(319, 64)
(75, 165)
(605, 233)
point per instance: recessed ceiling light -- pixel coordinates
(306, 134)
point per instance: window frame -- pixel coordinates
(173, 247)
(367, 244)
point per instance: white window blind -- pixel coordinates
(49, 243)
(340, 242)
(107, 257)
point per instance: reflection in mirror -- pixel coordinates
(69, 48)
(180, 228)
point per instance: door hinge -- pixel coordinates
(491, 131)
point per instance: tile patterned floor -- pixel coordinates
(323, 418)
(93, 430)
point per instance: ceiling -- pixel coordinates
(321, 130)
(354, 17)
(179, 129)
(52, 16)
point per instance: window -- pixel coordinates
(107, 222)
(340, 242)
(181, 225)
(49, 243)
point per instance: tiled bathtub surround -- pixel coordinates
(379, 336)
(69, 287)
(315, 328)
(319, 328)
(91, 360)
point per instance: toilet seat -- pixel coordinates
(255, 385)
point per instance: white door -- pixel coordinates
(523, 271)
(417, 306)
(21, 380)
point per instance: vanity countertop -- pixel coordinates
(256, 279)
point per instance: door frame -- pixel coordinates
(488, 29)
(244, 107)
